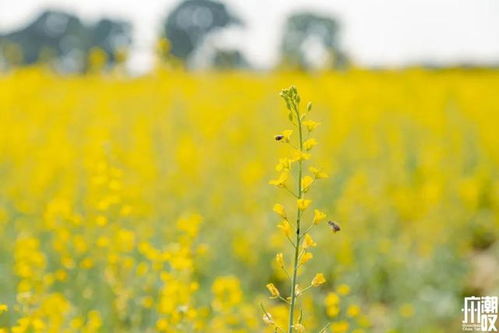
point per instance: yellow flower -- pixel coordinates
(318, 280)
(303, 203)
(300, 156)
(308, 242)
(343, 289)
(281, 180)
(283, 165)
(102, 241)
(38, 325)
(227, 293)
(318, 216)
(306, 182)
(332, 302)
(353, 310)
(279, 258)
(306, 257)
(332, 311)
(76, 323)
(287, 135)
(285, 227)
(310, 125)
(309, 144)
(162, 324)
(339, 327)
(273, 290)
(87, 263)
(332, 299)
(3, 308)
(318, 174)
(101, 220)
(279, 210)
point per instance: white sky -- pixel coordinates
(375, 32)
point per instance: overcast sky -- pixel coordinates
(375, 32)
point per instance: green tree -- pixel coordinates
(303, 28)
(64, 40)
(189, 23)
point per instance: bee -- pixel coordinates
(334, 226)
(279, 137)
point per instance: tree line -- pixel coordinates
(68, 44)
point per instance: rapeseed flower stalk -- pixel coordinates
(295, 230)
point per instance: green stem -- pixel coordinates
(298, 235)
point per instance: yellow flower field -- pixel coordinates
(144, 204)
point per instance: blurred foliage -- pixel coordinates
(187, 26)
(66, 44)
(308, 32)
(102, 178)
(229, 59)
(62, 40)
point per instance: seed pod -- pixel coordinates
(309, 106)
